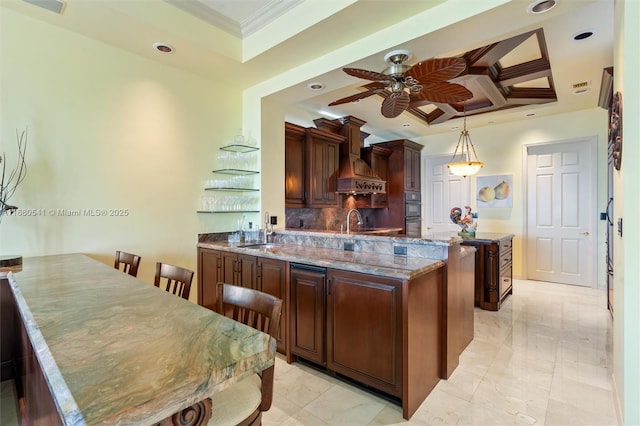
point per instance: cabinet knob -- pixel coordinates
(586, 233)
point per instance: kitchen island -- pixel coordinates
(102, 347)
(389, 312)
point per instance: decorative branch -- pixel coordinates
(15, 176)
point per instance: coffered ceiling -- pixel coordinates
(519, 64)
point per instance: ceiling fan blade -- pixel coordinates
(368, 75)
(442, 92)
(355, 97)
(436, 70)
(395, 104)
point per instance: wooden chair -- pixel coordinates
(129, 262)
(178, 279)
(244, 402)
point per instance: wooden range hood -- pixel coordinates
(354, 174)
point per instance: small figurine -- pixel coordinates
(464, 221)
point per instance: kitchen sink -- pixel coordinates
(263, 246)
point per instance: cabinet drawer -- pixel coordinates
(505, 246)
(506, 259)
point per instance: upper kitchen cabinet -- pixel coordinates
(314, 162)
(403, 187)
(294, 167)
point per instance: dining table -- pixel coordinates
(97, 346)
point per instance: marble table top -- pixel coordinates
(116, 350)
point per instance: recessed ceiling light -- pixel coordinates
(541, 6)
(316, 86)
(530, 114)
(581, 90)
(455, 127)
(163, 47)
(583, 34)
(406, 125)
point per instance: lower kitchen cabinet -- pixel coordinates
(209, 274)
(494, 267)
(239, 269)
(272, 279)
(263, 274)
(364, 329)
(307, 313)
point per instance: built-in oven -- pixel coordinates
(412, 214)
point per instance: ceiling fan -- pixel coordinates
(425, 81)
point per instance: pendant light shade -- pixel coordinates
(465, 164)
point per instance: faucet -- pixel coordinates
(358, 217)
(266, 231)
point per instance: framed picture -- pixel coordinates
(494, 191)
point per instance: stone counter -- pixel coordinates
(115, 350)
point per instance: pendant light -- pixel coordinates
(466, 165)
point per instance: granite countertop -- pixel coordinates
(488, 236)
(115, 350)
(392, 266)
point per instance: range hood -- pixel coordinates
(354, 174)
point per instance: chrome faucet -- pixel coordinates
(358, 217)
(266, 231)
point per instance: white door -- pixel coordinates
(561, 185)
(443, 192)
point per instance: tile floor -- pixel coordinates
(544, 359)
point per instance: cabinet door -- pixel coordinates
(247, 271)
(323, 173)
(294, 165)
(209, 274)
(364, 329)
(412, 169)
(229, 267)
(272, 279)
(307, 315)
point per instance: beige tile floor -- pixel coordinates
(543, 359)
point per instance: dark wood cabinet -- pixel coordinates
(307, 313)
(311, 167)
(272, 279)
(494, 265)
(209, 274)
(403, 188)
(239, 269)
(323, 161)
(294, 168)
(364, 329)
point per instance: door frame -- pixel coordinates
(591, 144)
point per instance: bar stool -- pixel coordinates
(130, 262)
(178, 279)
(244, 402)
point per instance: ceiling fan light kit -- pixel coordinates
(405, 86)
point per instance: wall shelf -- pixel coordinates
(232, 189)
(235, 172)
(239, 148)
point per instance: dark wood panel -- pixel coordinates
(294, 140)
(307, 319)
(272, 279)
(364, 333)
(209, 273)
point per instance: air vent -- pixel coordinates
(582, 87)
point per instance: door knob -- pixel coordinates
(586, 233)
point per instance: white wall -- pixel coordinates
(108, 130)
(500, 147)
